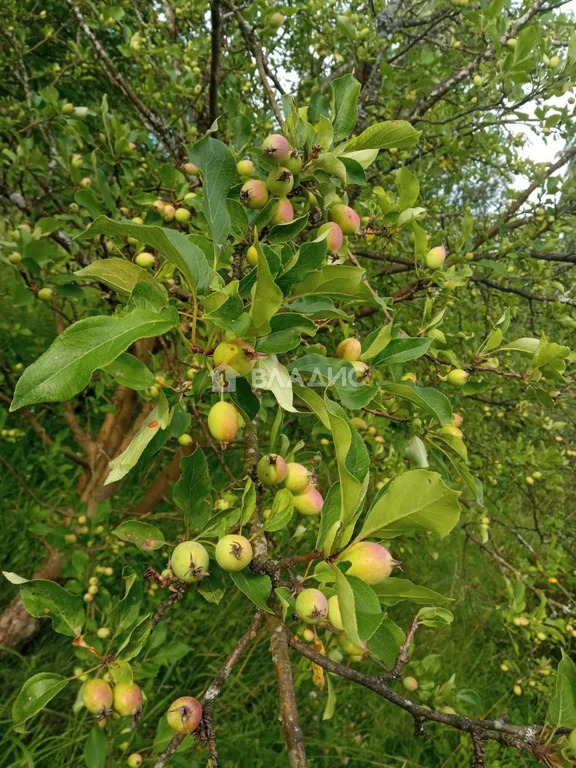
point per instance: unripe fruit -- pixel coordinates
(450, 429)
(410, 683)
(76, 161)
(359, 423)
(97, 696)
(369, 561)
(572, 739)
(271, 469)
(185, 439)
(276, 20)
(233, 552)
(145, 260)
(252, 255)
(512, 42)
(182, 215)
(223, 422)
(311, 606)
(309, 502)
(284, 213)
(127, 699)
(334, 238)
(103, 633)
(361, 369)
(190, 168)
(189, 561)
(457, 377)
(356, 651)
(237, 355)
(554, 62)
(189, 197)
(349, 349)
(297, 477)
(436, 257)
(45, 294)
(280, 181)
(293, 163)
(457, 420)
(276, 147)
(159, 205)
(168, 212)
(184, 714)
(346, 218)
(15, 257)
(245, 167)
(334, 615)
(478, 81)
(67, 109)
(134, 760)
(254, 194)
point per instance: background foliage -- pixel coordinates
(118, 94)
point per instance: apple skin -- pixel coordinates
(45, 294)
(335, 236)
(245, 167)
(293, 162)
(309, 502)
(184, 714)
(354, 651)
(189, 561)
(311, 606)
(284, 213)
(271, 469)
(436, 257)
(410, 683)
(127, 699)
(280, 181)
(252, 256)
(233, 552)
(135, 760)
(370, 562)
(334, 615)
(182, 215)
(237, 355)
(457, 377)
(276, 146)
(254, 194)
(97, 696)
(223, 422)
(297, 477)
(349, 349)
(346, 218)
(145, 260)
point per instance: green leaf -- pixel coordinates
(285, 233)
(385, 643)
(213, 586)
(393, 133)
(119, 274)
(401, 351)
(267, 298)
(45, 599)
(336, 281)
(359, 607)
(344, 92)
(328, 162)
(430, 400)
(435, 617)
(96, 749)
(130, 372)
(134, 642)
(173, 245)
(218, 171)
(285, 331)
(272, 375)
(66, 367)
(408, 188)
(125, 612)
(392, 591)
(256, 587)
(562, 708)
(121, 671)
(376, 341)
(416, 499)
(192, 492)
(282, 510)
(157, 420)
(248, 501)
(143, 535)
(36, 692)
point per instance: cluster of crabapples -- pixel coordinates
(279, 183)
(366, 560)
(125, 700)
